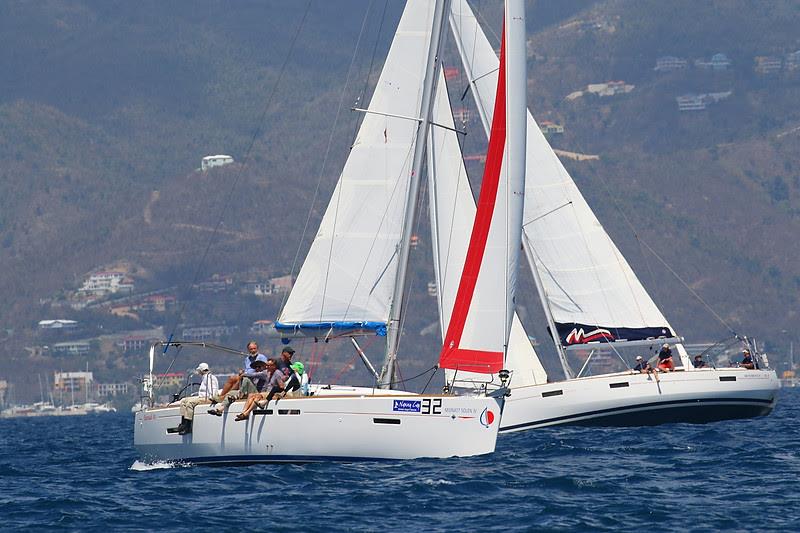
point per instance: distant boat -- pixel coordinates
(48, 409)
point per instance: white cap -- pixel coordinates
(202, 367)
(666, 345)
(639, 357)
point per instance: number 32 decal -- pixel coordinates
(432, 409)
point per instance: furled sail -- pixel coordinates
(476, 337)
(452, 212)
(591, 291)
(347, 279)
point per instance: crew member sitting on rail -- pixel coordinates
(294, 385)
(274, 385)
(747, 360)
(284, 362)
(665, 363)
(209, 386)
(249, 384)
(642, 365)
(234, 381)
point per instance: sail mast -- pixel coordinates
(516, 114)
(426, 108)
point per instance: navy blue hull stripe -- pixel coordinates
(250, 459)
(655, 406)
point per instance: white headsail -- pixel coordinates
(591, 291)
(348, 277)
(476, 337)
(452, 211)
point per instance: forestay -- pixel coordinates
(452, 212)
(347, 279)
(591, 291)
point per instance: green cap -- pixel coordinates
(298, 367)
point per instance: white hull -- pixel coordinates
(326, 428)
(627, 399)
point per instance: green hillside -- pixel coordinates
(106, 109)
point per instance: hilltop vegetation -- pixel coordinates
(104, 103)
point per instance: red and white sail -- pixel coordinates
(476, 338)
(586, 283)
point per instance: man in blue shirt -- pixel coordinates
(234, 381)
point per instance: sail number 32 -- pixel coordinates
(432, 406)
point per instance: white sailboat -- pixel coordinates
(353, 281)
(590, 295)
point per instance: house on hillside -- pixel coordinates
(792, 62)
(257, 288)
(211, 161)
(206, 333)
(549, 127)
(766, 65)
(136, 343)
(156, 302)
(461, 114)
(59, 324)
(103, 283)
(105, 390)
(670, 64)
(698, 102)
(73, 382)
(281, 283)
(718, 62)
(610, 88)
(71, 348)
(433, 289)
(261, 327)
(451, 73)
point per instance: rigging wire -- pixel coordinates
(329, 146)
(223, 207)
(662, 260)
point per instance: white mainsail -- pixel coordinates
(589, 288)
(348, 277)
(452, 212)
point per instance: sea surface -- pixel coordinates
(82, 474)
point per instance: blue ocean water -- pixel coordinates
(82, 474)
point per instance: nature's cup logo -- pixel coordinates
(407, 406)
(486, 418)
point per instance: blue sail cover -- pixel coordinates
(572, 334)
(320, 328)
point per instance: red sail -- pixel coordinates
(453, 356)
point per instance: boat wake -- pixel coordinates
(139, 466)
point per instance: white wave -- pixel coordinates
(438, 482)
(139, 466)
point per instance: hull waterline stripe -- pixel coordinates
(634, 408)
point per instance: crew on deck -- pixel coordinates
(642, 365)
(747, 360)
(209, 387)
(698, 361)
(665, 363)
(234, 381)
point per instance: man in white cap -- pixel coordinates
(209, 386)
(642, 365)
